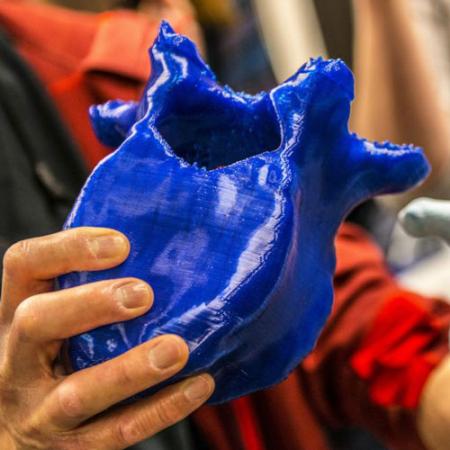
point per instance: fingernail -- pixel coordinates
(165, 354)
(198, 389)
(133, 295)
(104, 247)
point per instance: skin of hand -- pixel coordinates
(434, 411)
(44, 407)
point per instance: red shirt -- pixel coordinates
(379, 345)
(84, 58)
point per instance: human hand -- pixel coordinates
(41, 407)
(434, 411)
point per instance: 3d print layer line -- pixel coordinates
(231, 203)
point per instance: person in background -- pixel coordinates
(399, 97)
(380, 364)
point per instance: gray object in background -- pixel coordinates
(427, 217)
(429, 276)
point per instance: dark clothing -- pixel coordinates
(41, 171)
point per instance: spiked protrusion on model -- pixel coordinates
(231, 203)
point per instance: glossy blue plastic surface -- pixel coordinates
(231, 203)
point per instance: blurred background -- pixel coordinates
(399, 51)
(400, 55)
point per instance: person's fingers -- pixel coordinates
(131, 424)
(80, 396)
(30, 266)
(49, 318)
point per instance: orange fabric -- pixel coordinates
(84, 59)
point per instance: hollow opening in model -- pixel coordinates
(216, 129)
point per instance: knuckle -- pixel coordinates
(73, 244)
(74, 241)
(123, 375)
(164, 413)
(77, 241)
(72, 441)
(134, 430)
(24, 326)
(70, 401)
(15, 257)
(169, 410)
(125, 434)
(27, 435)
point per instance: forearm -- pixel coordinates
(381, 343)
(434, 412)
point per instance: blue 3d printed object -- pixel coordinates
(231, 203)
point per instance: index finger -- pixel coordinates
(30, 266)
